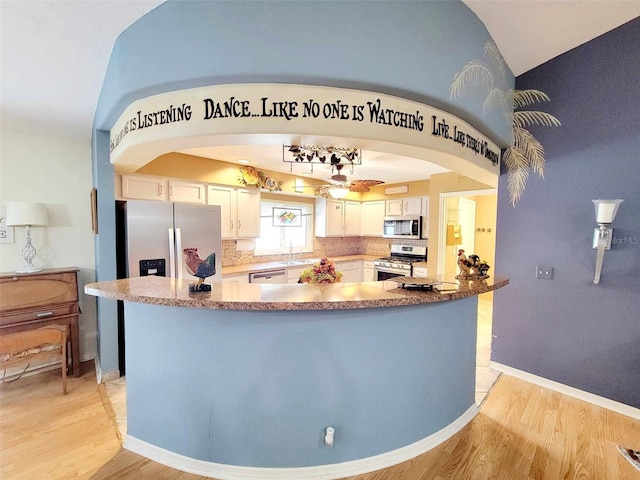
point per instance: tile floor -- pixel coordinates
(485, 376)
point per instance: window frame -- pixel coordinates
(307, 216)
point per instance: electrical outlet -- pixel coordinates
(544, 272)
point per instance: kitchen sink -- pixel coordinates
(304, 261)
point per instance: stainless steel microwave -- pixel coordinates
(405, 226)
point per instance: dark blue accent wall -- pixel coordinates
(567, 329)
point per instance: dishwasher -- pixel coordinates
(272, 276)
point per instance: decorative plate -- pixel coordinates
(271, 183)
(250, 176)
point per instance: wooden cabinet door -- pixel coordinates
(351, 218)
(412, 206)
(335, 218)
(425, 217)
(144, 188)
(394, 207)
(226, 198)
(372, 218)
(368, 272)
(187, 192)
(352, 272)
(248, 213)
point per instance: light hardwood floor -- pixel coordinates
(523, 431)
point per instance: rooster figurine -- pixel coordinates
(463, 263)
(199, 268)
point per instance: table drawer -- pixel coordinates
(37, 314)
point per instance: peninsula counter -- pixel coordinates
(242, 381)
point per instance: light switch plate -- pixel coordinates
(544, 272)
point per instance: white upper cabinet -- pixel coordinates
(412, 206)
(372, 218)
(394, 207)
(139, 187)
(425, 217)
(404, 206)
(187, 192)
(239, 210)
(248, 213)
(351, 218)
(329, 215)
(144, 188)
(226, 198)
(337, 218)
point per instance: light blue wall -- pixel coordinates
(567, 329)
(105, 251)
(257, 388)
(411, 49)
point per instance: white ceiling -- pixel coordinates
(54, 54)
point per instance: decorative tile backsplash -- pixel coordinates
(322, 247)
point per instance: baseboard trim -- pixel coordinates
(603, 402)
(104, 377)
(320, 472)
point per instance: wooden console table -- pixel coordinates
(34, 300)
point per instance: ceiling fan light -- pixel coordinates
(338, 192)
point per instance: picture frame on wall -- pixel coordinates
(94, 210)
(287, 217)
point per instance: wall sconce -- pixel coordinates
(27, 214)
(605, 214)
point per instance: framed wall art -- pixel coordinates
(287, 217)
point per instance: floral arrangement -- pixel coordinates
(321, 272)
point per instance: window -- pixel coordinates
(275, 239)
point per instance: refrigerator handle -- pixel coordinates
(172, 255)
(179, 253)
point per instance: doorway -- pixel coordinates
(468, 222)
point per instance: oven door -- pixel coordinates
(385, 273)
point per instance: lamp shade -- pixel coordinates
(606, 210)
(338, 192)
(21, 214)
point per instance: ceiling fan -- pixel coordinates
(340, 186)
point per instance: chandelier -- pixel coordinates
(319, 154)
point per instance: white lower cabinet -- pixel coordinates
(242, 278)
(352, 271)
(293, 273)
(369, 272)
(420, 272)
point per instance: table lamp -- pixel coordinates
(27, 214)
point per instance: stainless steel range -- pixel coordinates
(400, 262)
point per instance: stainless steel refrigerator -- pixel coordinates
(151, 238)
(157, 233)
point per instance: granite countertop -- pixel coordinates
(170, 292)
(232, 270)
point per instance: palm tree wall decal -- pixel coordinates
(526, 153)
